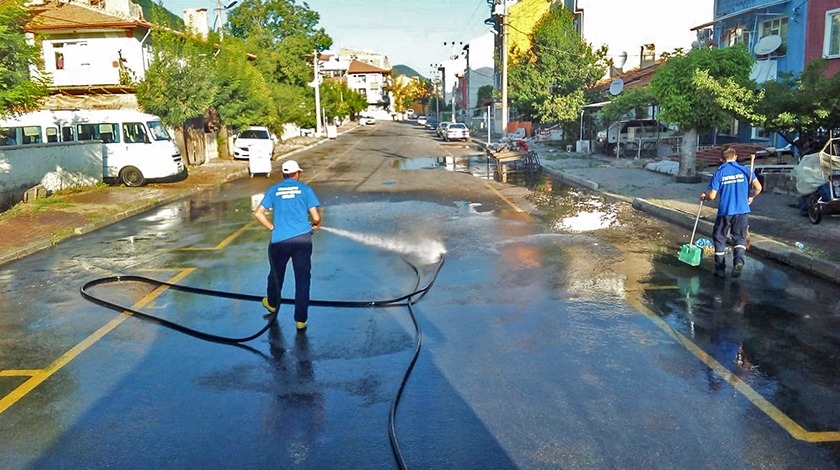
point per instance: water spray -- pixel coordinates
(428, 251)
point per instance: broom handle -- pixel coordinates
(693, 231)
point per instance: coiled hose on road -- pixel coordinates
(408, 300)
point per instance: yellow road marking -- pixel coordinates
(503, 198)
(745, 389)
(224, 243)
(38, 376)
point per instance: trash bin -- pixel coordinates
(332, 132)
(259, 162)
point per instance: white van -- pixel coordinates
(136, 146)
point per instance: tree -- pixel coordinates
(180, 86)
(487, 93)
(339, 100)
(547, 81)
(406, 91)
(699, 92)
(797, 107)
(20, 91)
(286, 35)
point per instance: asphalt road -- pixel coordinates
(560, 332)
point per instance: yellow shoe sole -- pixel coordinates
(301, 325)
(267, 306)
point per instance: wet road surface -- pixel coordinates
(561, 332)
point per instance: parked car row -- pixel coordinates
(446, 130)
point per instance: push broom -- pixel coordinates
(690, 253)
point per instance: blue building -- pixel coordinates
(775, 32)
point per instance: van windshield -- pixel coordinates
(158, 131)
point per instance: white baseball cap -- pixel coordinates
(290, 167)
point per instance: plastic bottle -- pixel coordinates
(799, 245)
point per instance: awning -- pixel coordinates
(595, 105)
(739, 13)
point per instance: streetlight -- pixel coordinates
(219, 10)
(436, 68)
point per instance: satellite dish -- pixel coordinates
(767, 44)
(616, 86)
(622, 59)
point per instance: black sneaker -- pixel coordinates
(737, 268)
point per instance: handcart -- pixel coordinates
(818, 180)
(259, 163)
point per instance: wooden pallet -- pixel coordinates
(510, 162)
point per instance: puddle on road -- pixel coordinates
(476, 165)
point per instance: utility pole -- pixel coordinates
(504, 69)
(316, 83)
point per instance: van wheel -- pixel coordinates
(131, 176)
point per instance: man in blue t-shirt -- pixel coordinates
(733, 182)
(296, 215)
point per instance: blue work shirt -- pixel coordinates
(290, 200)
(731, 181)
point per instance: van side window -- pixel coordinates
(52, 134)
(109, 133)
(85, 132)
(8, 136)
(68, 134)
(31, 135)
(134, 132)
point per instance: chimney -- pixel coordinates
(121, 8)
(648, 56)
(197, 21)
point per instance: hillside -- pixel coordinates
(407, 71)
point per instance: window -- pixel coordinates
(158, 131)
(738, 35)
(831, 48)
(134, 133)
(760, 133)
(68, 134)
(52, 134)
(730, 129)
(31, 135)
(776, 26)
(106, 132)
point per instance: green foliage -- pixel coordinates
(244, 96)
(338, 100)
(284, 36)
(487, 93)
(633, 99)
(180, 82)
(689, 87)
(19, 91)
(798, 106)
(546, 81)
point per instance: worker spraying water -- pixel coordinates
(428, 251)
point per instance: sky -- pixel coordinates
(409, 32)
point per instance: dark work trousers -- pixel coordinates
(726, 225)
(299, 250)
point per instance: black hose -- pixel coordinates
(408, 298)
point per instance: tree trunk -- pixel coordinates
(688, 158)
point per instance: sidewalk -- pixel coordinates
(775, 223)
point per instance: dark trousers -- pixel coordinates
(726, 226)
(299, 250)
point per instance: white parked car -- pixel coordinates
(254, 141)
(456, 131)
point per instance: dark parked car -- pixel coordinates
(431, 124)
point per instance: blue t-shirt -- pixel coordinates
(732, 184)
(291, 200)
